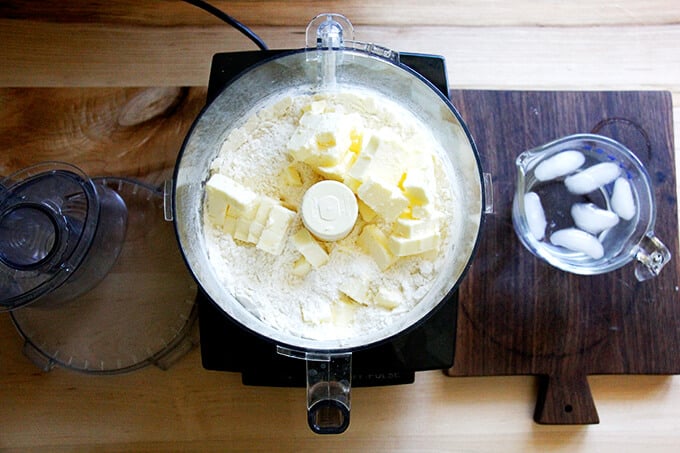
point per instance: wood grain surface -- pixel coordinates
(520, 315)
(85, 56)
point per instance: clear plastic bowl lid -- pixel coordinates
(48, 219)
(137, 310)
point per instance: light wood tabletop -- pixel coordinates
(83, 60)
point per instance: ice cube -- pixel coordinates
(592, 219)
(535, 215)
(578, 241)
(592, 178)
(559, 165)
(622, 199)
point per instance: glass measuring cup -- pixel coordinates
(584, 204)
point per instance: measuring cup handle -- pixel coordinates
(652, 256)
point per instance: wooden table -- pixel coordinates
(97, 49)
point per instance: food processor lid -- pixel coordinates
(48, 218)
(141, 312)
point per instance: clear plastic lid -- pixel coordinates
(131, 301)
(49, 214)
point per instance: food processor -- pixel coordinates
(425, 338)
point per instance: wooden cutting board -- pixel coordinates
(520, 316)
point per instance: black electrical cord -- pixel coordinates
(230, 20)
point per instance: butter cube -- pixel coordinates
(301, 267)
(366, 213)
(242, 229)
(409, 227)
(374, 243)
(381, 158)
(254, 232)
(224, 190)
(418, 184)
(343, 312)
(310, 249)
(356, 141)
(360, 170)
(264, 208)
(338, 171)
(272, 239)
(386, 200)
(259, 218)
(356, 289)
(388, 299)
(217, 207)
(400, 246)
(321, 139)
(291, 176)
(229, 225)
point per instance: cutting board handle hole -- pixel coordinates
(568, 408)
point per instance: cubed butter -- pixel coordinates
(322, 138)
(400, 246)
(338, 171)
(229, 225)
(374, 243)
(310, 248)
(356, 289)
(366, 213)
(418, 186)
(273, 237)
(343, 312)
(409, 227)
(227, 191)
(385, 199)
(301, 267)
(264, 208)
(291, 176)
(242, 229)
(360, 169)
(387, 298)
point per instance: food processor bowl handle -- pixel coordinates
(329, 382)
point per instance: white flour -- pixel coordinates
(311, 306)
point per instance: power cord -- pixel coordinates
(229, 20)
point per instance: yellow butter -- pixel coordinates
(343, 312)
(374, 242)
(388, 299)
(321, 139)
(229, 225)
(400, 246)
(385, 199)
(356, 289)
(242, 229)
(222, 190)
(275, 231)
(301, 267)
(409, 227)
(310, 248)
(366, 213)
(337, 172)
(291, 176)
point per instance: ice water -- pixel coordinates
(557, 202)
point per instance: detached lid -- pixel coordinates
(48, 219)
(141, 312)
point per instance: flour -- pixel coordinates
(312, 306)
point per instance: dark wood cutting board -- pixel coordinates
(520, 316)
